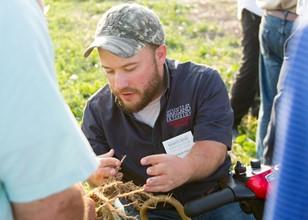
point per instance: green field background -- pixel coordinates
(206, 32)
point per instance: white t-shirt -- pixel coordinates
(149, 114)
(250, 5)
(42, 150)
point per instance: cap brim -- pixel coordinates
(119, 46)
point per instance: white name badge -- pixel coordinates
(179, 145)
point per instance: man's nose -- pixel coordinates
(120, 81)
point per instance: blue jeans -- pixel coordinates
(273, 35)
(269, 140)
(230, 211)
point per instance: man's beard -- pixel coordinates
(155, 86)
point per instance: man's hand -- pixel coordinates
(167, 171)
(109, 166)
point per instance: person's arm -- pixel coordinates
(212, 135)
(66, 205)
(169, 171)
(204, 158)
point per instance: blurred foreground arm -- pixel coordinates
(66, 205)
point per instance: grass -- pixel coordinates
(188, 37)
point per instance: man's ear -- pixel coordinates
(160, 54)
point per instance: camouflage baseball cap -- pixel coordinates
(125, 29)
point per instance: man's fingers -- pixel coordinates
(159, 188)
(156, 170)
(152, 159)
(106, 172)
(157, 180)
(110, 162)
(109, 166)
(110, 153)
(101, 174)
(158, 184)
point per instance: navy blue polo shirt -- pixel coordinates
(195, 100)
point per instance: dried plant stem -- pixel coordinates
(105, 196)
(154, 200)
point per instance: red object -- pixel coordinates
(261, 183)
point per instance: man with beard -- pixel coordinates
(172, 120)
(43, 154)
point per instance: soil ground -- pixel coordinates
(224, 12)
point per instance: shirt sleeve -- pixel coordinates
(93, 129)
(214, 113)
(43, 151)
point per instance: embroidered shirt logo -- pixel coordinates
(179, 116)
